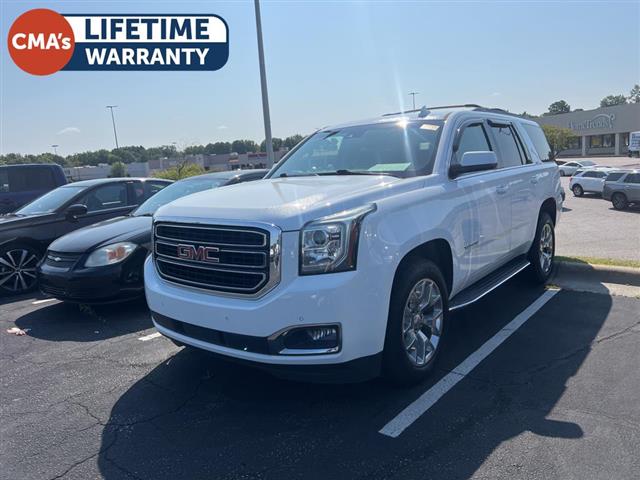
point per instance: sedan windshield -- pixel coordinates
(403, 149)
(175, 191)
(50, 202)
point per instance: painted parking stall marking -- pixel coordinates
(429, 398)
(151, 336)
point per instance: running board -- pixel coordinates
(488, 283)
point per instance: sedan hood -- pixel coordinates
(119, 229)
(288, 203)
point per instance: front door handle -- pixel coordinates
(502, 189)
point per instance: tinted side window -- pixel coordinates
(510, 154)
(106, 197)
(536, 134)
(632, 178)
(473, 139)
(600, 174)
(612, 177)
(4, 181)
(590, 175)
(40, 178)
(154, 187)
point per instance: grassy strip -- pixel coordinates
(600, 261)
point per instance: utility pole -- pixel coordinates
(113, 121)
(413, 95)
(55, 149)
(263, 85)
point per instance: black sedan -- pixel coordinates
(26, 233)
(103, 263)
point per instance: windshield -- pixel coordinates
(403, 149)
(50, 202)
(175, 191)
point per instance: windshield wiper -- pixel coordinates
(343, 171)
(286, 175)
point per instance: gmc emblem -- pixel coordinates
(201, 254)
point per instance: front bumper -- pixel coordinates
(111, 283)
(352, 300)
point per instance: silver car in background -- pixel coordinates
(622, 188)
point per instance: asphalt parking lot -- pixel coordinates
(94, 393)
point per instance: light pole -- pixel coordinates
(113, 121)
(263, 85)
(55, 149)
(413, 95)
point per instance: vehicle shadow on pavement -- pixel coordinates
(197, 417)
(82, 323)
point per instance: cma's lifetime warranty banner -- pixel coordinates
(42, 42)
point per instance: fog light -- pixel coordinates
(313, 340)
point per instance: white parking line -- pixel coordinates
(46, 300)
(411, 413)
(150, 336)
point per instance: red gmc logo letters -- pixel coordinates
(201, 254)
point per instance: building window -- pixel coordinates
(574, 143)
(602, 141)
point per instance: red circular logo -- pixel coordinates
(41, 41)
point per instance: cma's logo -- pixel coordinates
(201, 254)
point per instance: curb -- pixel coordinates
(597, 278)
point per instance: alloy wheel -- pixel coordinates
(546, 247)
(422, 321)
(18, 270)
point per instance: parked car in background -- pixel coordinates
(19, 184)
(26, 233)
(569, 168)
(589, 180)
(104, 262)
(622, 188)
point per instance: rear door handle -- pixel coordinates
(502, 189)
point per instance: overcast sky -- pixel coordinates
(328, 62)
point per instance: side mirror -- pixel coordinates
(75, 211)
(474, 162)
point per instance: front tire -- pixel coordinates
(18, 269)
(577, 190)
(543, 250)
(619, 201)
(416, 328)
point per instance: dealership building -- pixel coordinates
(603, 131)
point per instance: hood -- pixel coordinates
(288, 203)
(119, 229)
(11, 221)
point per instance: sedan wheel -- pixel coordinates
(18, 269)
(577, 190)
(619, 201)
(422, 322)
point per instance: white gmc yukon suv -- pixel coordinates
(347, 259)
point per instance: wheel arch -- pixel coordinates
(551, 207)
(24, 241)
(438, 251)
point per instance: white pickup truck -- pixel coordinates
(347, 259)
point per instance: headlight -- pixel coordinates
(110, 254)
(330, 244)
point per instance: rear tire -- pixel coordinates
(542, 252)
(619, 201)
(18, 268)
(577, 190)
(417, 324)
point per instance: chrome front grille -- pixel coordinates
(231, 260)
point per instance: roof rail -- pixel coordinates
(465, 105)
(501, 111)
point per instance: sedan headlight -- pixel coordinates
(330, 244)
(110, 254)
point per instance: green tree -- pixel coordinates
(118, 169)
(611, 100)
(182, 170)
(634, 94)
(277, 144)
(558, 138)
(244, 146)
(194, 150)
(559, 107)
(292, 141)
(218, 148)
